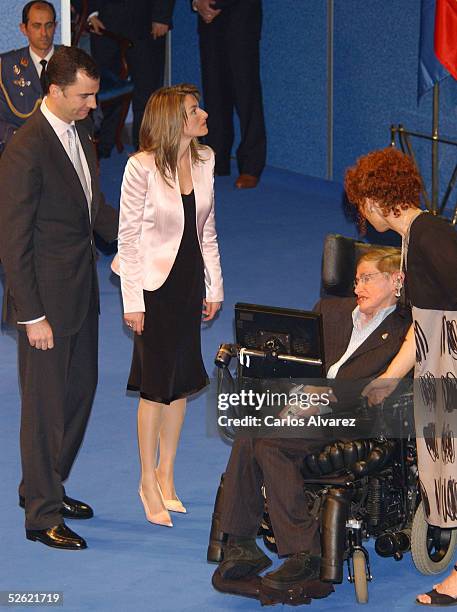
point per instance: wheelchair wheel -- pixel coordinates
(360, 577)
(432, 548)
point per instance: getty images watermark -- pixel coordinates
(308, 408)
(296, 409)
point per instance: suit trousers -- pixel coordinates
(57, 388)
(229, 54)
(146, 65)
(276, 464)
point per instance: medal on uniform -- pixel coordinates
(22, 82)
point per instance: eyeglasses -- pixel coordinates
(365, 278)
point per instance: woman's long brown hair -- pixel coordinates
(162, 126)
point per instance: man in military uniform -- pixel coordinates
(22, 71)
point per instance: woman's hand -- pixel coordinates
(378, 389)
(135, 321)
(210, 309)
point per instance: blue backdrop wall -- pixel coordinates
(375, 79)
(376, 60)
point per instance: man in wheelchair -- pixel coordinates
(361, 336)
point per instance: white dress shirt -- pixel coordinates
(60, 127)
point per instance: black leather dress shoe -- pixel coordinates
(59, 536)
(71, 508)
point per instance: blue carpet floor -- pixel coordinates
(271, 241)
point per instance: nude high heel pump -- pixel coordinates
(173, 505)
(160, 518)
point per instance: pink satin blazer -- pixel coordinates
(151, 225)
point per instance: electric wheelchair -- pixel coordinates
(361, 488)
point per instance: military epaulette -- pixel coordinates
(21, 82)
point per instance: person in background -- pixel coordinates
(229, 34)
(145, 23)
(22, 71)
(168, 254)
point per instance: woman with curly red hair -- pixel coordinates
(385, 188)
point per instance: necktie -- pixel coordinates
(76, 160)
(43, 62)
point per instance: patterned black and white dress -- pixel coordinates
(431, 288)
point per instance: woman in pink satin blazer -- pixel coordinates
(167, 219)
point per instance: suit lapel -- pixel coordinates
(338, 334)
(62, 162)
(377, 338)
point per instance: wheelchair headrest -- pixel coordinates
(339, 259)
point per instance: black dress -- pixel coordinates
(167, 363)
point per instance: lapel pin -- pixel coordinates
(16, 70)
(24, 62)
(385, 336)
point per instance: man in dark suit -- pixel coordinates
(360, 338)
(22, 70)
(145, 23)
(229, 34)
(50, 205)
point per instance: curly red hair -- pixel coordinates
(387, 176)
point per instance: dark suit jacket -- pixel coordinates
(374, 355)
(133, 19)
(20, 91)
(46, 237)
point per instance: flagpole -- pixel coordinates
(435, 160)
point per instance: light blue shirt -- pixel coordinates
(362, 328)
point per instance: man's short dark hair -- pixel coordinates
(65, 63)
(28, 6)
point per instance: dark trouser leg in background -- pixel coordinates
(217, 91)
(146, 62)
(106, 53)
(243, 57)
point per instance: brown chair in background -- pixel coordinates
(115, 88)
